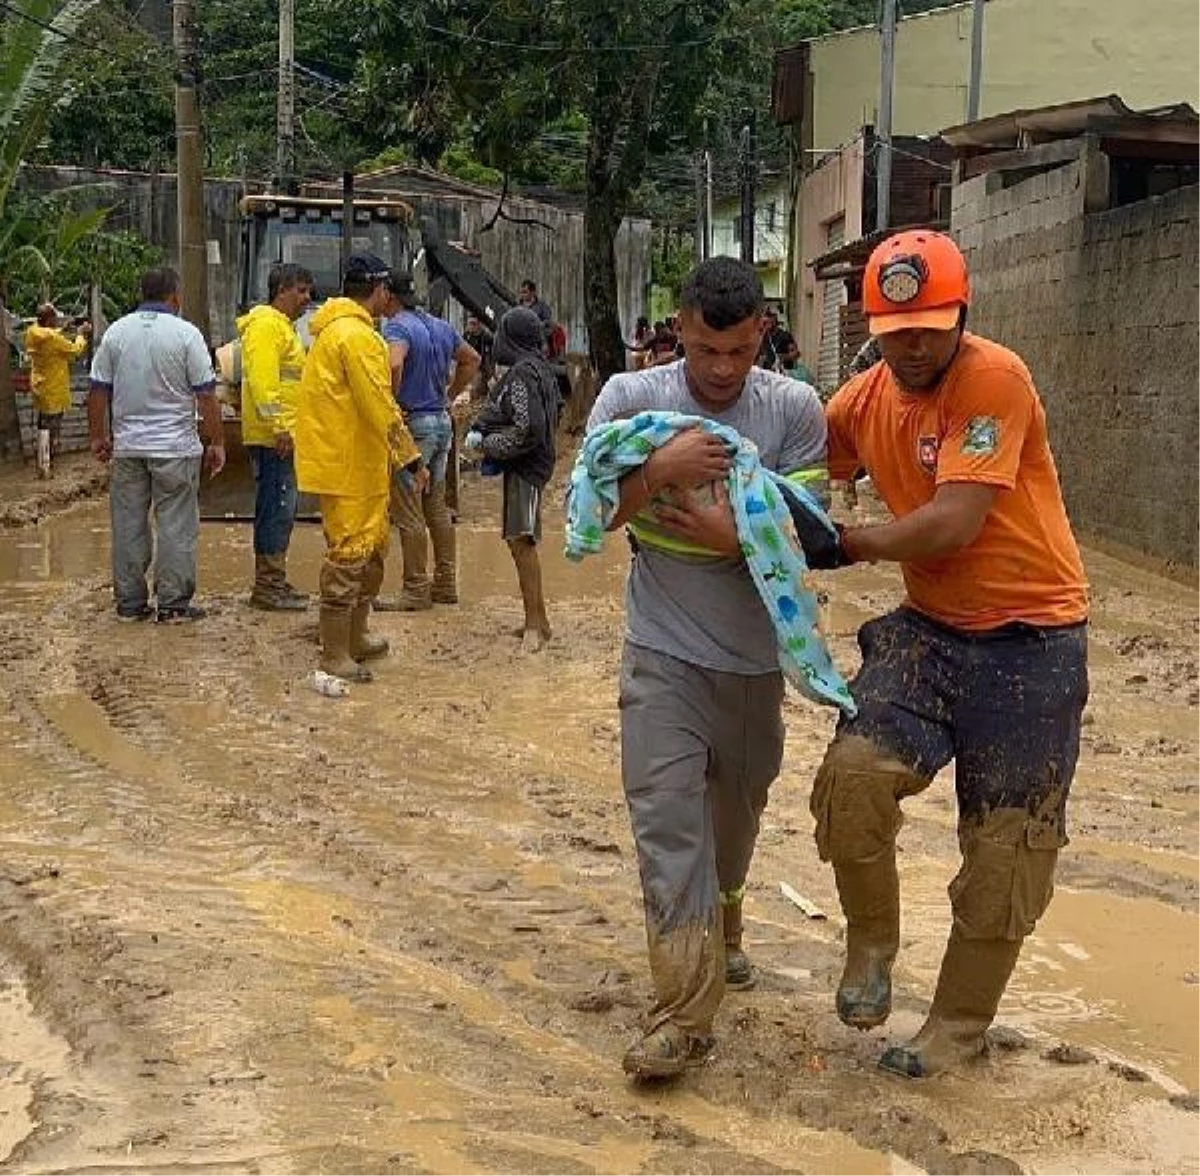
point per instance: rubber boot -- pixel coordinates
(870, 895)
(409, 517)
(43, 453)
(529, 577)
(340, 587)
(335, 646)
(270, 590)
(739, 973)
(445, 547)
(972, 981)
(364, 645)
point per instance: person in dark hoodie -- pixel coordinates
(515, 431)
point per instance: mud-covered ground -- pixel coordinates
(245, 928)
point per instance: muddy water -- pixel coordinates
(249, 928)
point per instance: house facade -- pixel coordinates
(826, 90)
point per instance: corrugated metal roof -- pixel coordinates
(1064, 121)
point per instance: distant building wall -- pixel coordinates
(1036, 53)
(1103, 307)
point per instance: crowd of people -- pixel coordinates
(978, 665)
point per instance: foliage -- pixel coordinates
(31, 57)
(50, 250)
(114, 108)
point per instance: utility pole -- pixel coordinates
(347, 217)
(975, 86)
(285, 119)
(698, 244)
(189, 166)
(708, 204)
(749, 175)
(883, 132)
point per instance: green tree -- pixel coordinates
(34, 39)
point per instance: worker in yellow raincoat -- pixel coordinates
(51, 354)
(349, 438)
(272, 363)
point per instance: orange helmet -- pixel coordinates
(917, 278)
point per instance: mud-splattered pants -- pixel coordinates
(699, 750)
(1005, 705)
(356, 540)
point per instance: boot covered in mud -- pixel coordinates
(271, 590)
(739, 972)
(666, 1052)
(445, 546)
(365, 645)
(340, 586)
(870, 896)
(974, 975)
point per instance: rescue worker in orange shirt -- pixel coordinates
(985, 662)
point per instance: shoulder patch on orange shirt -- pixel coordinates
(982, 436)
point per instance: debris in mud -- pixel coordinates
(663, 1128)
(1128, 1072)
(596, 1000)
(1141, 643)
(983, 1163)
(1185, 1102)
(1069, 1055)
(232, 1077)
(1191, 977)
(38, 873)
(1006, 1039)
(579, 841)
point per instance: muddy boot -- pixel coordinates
(339, 596)
(529, 576)
(870, 895)
(739, 974)
(666, 1052)
(364, 645)
(335, 646)
(972, 981)
(445, 547)
(270, 590)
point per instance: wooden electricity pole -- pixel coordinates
(285, 154)
(189, 155)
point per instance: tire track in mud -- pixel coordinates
(411, 908)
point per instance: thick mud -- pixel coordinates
(246, 928)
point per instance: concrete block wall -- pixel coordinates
(1103, 307)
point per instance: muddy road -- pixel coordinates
(245, 928)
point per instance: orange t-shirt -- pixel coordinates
(984, 423)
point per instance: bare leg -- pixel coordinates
(529, 577)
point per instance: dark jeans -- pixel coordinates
(274, 500)
(1005, 705)
(170, 485)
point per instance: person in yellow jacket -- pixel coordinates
(272, 363)
(51, 354)
(349, 438)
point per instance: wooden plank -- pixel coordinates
(1043, 156)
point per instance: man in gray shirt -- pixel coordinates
(701, 689)
(150, 375)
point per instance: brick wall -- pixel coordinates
(1102, 306)
(74, 435)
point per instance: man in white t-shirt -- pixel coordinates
(150, 375)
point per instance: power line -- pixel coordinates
(543, 47)
(50, 28)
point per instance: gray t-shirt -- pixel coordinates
(710, 613)
(154, 364)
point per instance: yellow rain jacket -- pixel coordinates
(272, 361)
(51, 354)
(349, 432)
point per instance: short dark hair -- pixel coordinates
(529, 284)
(286, 275)
(159, 284)
(724, 290)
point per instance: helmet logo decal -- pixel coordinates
(901, 279)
